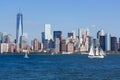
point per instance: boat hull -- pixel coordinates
(95, 56)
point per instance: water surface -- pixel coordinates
(59, 67)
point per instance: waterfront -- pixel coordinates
(58, 67)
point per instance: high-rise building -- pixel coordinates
(78, 33)
(23, 41)
(0, 37)
(48, 35)
(35, 45)
(102, 42)
(107, 42)
(57, 45)
(4, 34)
(57, 34)
(70, 34)
(96, 43)
(84, 32)
(100, 33)
(19, 27)
(46, 44)
(83, 39)
(114, 46)
(43, 36)
(63, 45)
(8, 38)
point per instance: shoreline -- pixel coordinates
(107, 52)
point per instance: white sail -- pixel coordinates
(26, 56)
(102, 52)
(91, 51)
(97, 51)
(96, 54)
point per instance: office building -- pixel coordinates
(96, 43)
(23, 41)
(114, 46)
(8, 38)
(4, 47)
(57, 34)
(70, 34)
(84, 32)
(107, 42)
(102, 42)
(11, 47)
(35, 45)
(70, 47)
(47, 31)
(100, 33)
(57, 45)
(19, 27)
(43, 36)
(0, 37)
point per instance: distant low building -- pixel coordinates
(4, 47)
(11, 47)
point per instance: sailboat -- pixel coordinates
(96, 53)
(26, 56)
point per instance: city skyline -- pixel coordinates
(63, 15)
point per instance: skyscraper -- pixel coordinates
(23, 41)
(0, 37)
(102, 42)
(107, 42)
(70, 34)
(100, 33)
(48, 35)
(57, 34)
(19, 27)
(114, 46)
(43, 36)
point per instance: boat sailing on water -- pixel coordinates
(26, 54)
(96, 53)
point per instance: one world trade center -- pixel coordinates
(19, 27)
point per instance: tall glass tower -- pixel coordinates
(19, 27)
(107, 42)
(48, 35)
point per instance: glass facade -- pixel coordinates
(48, 35)
(19, 27)
(107, 42)
(102, 42)
(114, 44)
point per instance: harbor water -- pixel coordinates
(59, 67)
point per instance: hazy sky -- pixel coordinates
(65, 15)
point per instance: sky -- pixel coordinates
(64, 15)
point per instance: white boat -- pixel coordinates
(66, 53)
(96, 53)
(52, 53)
(26, 56)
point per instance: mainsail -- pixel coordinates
(91, 51)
